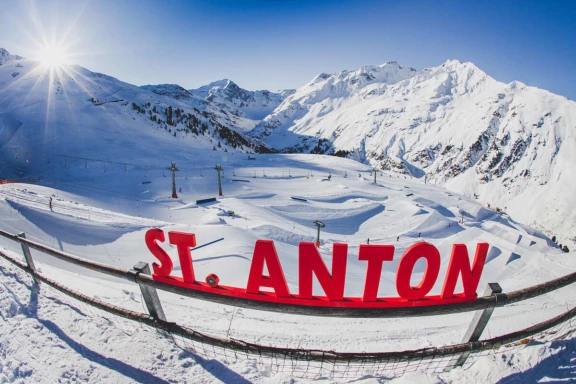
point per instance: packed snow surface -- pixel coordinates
(100, 154)
(103, 216)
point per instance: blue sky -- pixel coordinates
(284, 43)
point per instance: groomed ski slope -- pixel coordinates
(103, 216)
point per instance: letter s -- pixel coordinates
(165, 267)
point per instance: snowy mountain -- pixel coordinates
(511, 144)
(6, 57)
(172, 90)
(231, 105)
(72, 110)
(244, 108)
(100, 148)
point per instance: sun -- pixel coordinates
(53, 56)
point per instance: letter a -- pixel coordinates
(264, 251)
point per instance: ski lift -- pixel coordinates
(254, 173)
(125, 168)
(86, 163)
(201, 175)
(234, 173)
(163, 174)
(104, 166)
(146, 173)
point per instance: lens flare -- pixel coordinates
(53, 56)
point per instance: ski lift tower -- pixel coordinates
(174, 170)
(219, 169)
(319, 224)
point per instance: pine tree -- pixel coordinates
(169, 116)
(565, 249)
(554, 239)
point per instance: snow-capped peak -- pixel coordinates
(6, 57)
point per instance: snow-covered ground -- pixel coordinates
(103, 216)
(100, 148)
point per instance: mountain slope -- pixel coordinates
(231, 105)
(511, 144)
(244, 108)
(72, 111)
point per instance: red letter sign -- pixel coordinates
(165, 267)
(310, 262)
(375, 255)
(266, 251)
(460, 264)
(410, 257)
(184, 241)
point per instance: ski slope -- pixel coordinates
(103, 216)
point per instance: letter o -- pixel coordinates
(406, 266)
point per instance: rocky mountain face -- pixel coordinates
(244, 108)
(512, 145)
(233, 106)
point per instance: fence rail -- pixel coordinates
(485, 302)
(449, 356)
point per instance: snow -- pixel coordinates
(103, 207)
(511, 144)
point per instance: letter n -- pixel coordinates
(460, 265)
(310, 263)
(265, 251)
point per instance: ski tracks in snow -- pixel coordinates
(18, 197)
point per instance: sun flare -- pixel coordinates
(53, 56)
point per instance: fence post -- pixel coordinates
(149, 294)
(476, 327)
(28, 257)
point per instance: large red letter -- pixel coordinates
(266, 251)
(375, 254)
(310, 262)
(183, 242)
(460, 265)
(409, 258)
(165, 266)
